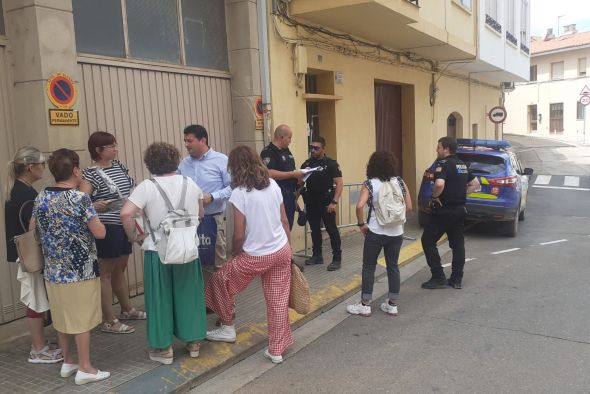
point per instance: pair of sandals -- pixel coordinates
(50, 354)
(116, 327)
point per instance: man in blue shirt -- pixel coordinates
(208, 169)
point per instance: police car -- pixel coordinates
(504, 184)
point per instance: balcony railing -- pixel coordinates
(511, 38)
(491, 22)
(524, 48)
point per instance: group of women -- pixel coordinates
(88, 219)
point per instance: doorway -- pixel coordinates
(532, 117)
(556, 118)
(454, 125)
(388, 120)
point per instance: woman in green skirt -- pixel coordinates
(174, 293)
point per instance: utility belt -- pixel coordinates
(323, 197)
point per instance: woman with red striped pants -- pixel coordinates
(261, 247)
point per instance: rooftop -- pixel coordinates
(573, 40)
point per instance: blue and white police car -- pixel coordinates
(504, 184)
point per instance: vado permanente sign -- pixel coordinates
(61, 91)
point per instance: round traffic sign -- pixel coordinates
(258, 110)
(585, 100)
(497, 114)
(61, 90)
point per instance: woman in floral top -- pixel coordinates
(67, 225)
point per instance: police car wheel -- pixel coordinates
(511, 228)
(521, 215)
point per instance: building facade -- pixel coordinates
(365, 75)
(549, 103)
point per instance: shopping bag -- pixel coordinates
(207, 232)
(299, 292)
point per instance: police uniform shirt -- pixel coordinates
(322, 181)
(456, 176)
(279, 159)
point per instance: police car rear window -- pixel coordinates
(483, 164)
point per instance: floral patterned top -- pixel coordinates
(68, 245)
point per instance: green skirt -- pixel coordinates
(174, 301)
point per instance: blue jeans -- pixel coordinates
(391, 247)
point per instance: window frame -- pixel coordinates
(182, 58)
(553, 76)
(533, 67)
(582, 73)
(580, 110)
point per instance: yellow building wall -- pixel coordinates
(354, 118)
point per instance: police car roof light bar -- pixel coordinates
(492, 144)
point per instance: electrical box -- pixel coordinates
(300, 59)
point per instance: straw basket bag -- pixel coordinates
(299, 293)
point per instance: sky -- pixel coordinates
(544, 15)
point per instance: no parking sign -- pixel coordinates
(61, 90)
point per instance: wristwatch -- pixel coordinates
(334, 202)
(360, 224)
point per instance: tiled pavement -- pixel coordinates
(125, 356)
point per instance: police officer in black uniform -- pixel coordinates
(321, 194)
(281, 167)
(452, 182)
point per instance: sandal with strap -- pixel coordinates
(133, 314)
(46, 356)
(116, 327)
(193, 348)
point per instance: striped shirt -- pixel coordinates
(119, 174)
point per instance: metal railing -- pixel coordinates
(346, 214)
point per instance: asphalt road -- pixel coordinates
(521, 323)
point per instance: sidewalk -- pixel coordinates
(125, 356)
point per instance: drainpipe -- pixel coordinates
(261, 9)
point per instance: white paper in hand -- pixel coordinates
(308, 171)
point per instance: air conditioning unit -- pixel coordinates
(507, 86)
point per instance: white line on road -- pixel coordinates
(571, 181)
(466, 260)
(553, 242)
(505, 251)
(543, 179)
(563, 187)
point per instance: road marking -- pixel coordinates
(563, 187)
(505, 251)
(571, 181)
(553, 242)
(466, 260)
(543, 179)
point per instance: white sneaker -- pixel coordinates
(222, 334)
(274, 359)
(83, 377)
(359, 309)
(388, 308)
(68, 370)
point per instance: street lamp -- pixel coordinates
(558, 31)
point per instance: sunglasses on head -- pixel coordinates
(315, 148)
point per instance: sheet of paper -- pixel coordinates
(308, 171)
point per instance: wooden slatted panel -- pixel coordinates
(10, 307)
(142, 106)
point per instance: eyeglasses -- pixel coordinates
(315, 148)
(112, 146)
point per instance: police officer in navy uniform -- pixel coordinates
(452, 182)
(321, 194)
(281, 167)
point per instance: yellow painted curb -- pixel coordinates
(410, 253)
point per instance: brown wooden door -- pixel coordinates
(556, 118)
(388, 119)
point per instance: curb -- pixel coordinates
(186, 373)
